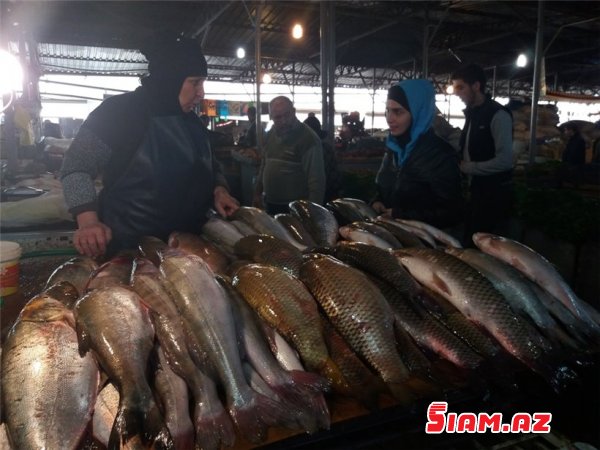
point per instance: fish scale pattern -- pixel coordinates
(475, 296)
(358, 311)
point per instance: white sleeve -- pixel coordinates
(501, 129)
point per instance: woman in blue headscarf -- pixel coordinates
(419, 177)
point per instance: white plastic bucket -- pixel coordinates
(10, 253)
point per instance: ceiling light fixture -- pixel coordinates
(522, 60)
(241, 53)
(297, 31)
(266, 79)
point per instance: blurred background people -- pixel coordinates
(487, 155)
(292, 166)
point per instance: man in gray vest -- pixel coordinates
(487, 159)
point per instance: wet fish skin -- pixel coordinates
(437, 234)
(152, 248)
(360, 313)
(320, 223)
(270, 250)
(344, 213)
(301, 391)
(515, 288)
(48, 389)
(377, 262)
(363, 208)
(197, 245)
(296, 230)
(76, 271)
(425, 236)
(212, 423)
(426, 331)
(204, 306)
(222, 233)
(461, 284)
(536, 268)
(260, 221)
(173, 394)
(122, 341)
(115, 272)
(285, 304)
(64, 292)
(405, 237)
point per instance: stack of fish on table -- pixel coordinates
(260, 320)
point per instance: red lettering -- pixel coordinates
(493, 422)
(541, 422)
(521, 423)
(436, 418)
(467, 422)
(451, 424)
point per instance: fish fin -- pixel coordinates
(333, 373)
(213, 430)
(257, 414)
(148, 424)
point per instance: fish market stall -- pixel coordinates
(325, 328)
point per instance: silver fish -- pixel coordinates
(536, 268)
(438, 234)
(112, 323)
(317, 220)
(48, 389)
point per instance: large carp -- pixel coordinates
(197, 245)
(475, 296)
(285, 304)
(361, 314)
(115, 326)
(48, 389)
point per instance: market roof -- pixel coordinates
(376, 41)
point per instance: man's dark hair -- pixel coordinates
(470, 74)
(571, 126)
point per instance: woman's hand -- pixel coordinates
(92, 236)
(225, 204)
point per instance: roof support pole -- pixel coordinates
(537, 71)
(328, 67)
(426, 45)
(257, 57)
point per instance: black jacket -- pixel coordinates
(427, 187)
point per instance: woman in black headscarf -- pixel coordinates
(159, 173)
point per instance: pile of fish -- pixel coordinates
(255, 323)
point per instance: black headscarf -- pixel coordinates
(397, 94)
(171, 59)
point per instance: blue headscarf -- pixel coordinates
(420, 96)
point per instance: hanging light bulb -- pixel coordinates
(521, 60)
(297, 31)
(266, 79)
(241, 53)
(450, 89)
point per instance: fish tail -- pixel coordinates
(330, 369)
(146, 423)
(259, 412)
(214, 429)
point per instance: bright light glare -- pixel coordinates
(241, 53)
(266, 78)
(450, 89)
(297, 31)
(11, 75)
(521, 60)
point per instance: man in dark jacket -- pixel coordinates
(159, 173)
(574, 152)
(486, 145)
(419, 177)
